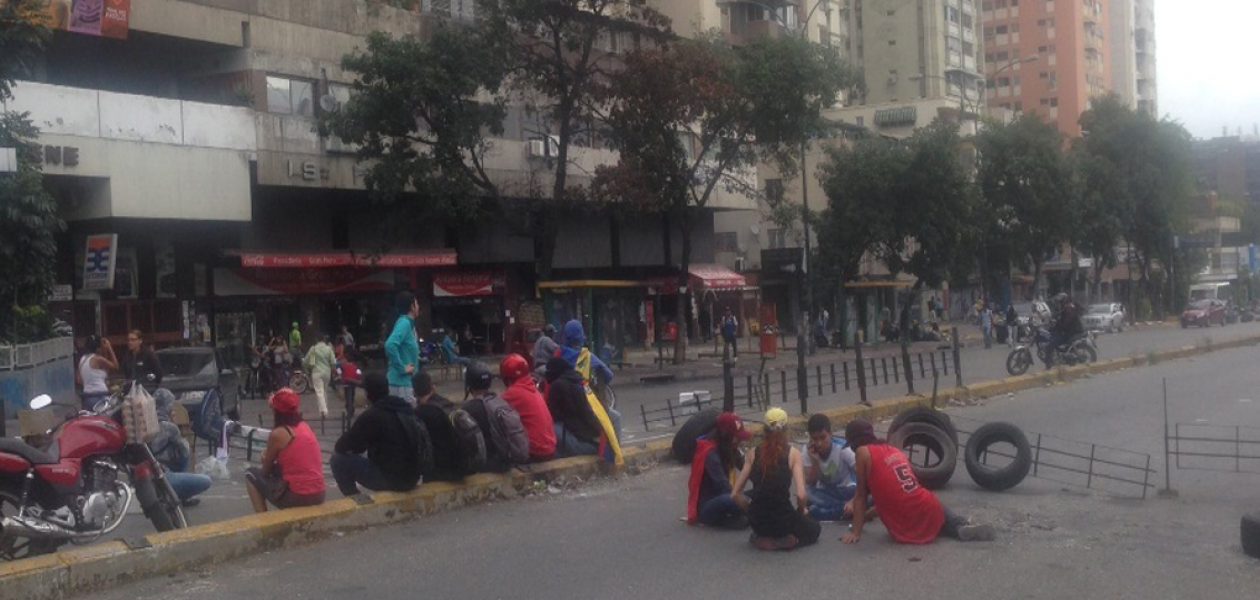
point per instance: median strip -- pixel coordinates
(99, 566)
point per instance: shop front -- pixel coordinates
(614, 313)
(471, 306)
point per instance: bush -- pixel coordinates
(31, 324)
(1143, 310)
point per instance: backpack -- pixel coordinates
(506, 430)
(472, 444)
(419, 435)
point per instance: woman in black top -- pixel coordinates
(775, 469)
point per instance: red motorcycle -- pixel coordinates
(73, 490)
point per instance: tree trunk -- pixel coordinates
(684, 298)
(1037, 290)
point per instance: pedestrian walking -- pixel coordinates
(402, 349)
(321, 363)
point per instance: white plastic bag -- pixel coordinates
(216, 467)
(140, 416)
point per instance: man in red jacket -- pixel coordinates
(523, 396)
(910, 512)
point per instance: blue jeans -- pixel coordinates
(353, 470)
(720, 511)
(568, 444)
(187, 485)
(827, 503)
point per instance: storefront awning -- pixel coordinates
(861, 285)
(588, 283)
(716, 278)
(317, 260)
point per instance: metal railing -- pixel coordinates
(23, 356)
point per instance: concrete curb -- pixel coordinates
(112, 563)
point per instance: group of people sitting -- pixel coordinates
(398, 442)
(858, 478)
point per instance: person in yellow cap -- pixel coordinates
(776, 471)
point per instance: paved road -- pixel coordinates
(622, 539)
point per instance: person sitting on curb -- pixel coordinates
(507, 443)
(572, 351)
(433, 411)
(716, 461)
(578, 429)
(911, 513)
(522, 395)
(386, 432)
(829, 471)
(171, 451)
(775, 470)
(290, 473)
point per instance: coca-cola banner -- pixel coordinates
(457, 285)
(296, 282)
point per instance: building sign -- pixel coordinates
(307, 170)
(99, 261)
(104, 18)
(439, 258)
(57, 156)
(61, 292)
(284, 282)
(454, 285)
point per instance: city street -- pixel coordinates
(622, 539)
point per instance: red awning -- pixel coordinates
(716, 277)
(457, 285)
(276, 260)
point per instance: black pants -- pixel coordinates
(952, 522)
(803, 527)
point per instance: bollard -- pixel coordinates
(728, 381)
(3, 417)
(643, 413)
(957, 364)
(905, 364)
(750, 390)
(833, 378)
(845, 365)
(783, 385)
(818, 373)
(861, 370)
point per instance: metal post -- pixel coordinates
(883, 362)
(957, 363)
(833, 378)
(922, 372)
(905, 364)
(845, 366)
(1237, 448)
(1146, 476)
(728, 380)
(1089, 479)
(1037, 455)
(750, 390)
(672, 419)
(818, 374)
(3, 417)
(643, 413)
(861, 370)
(875, 373)
(783, 385)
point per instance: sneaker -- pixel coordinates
(976, 533)
(191, 502)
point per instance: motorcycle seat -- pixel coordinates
(30, 453)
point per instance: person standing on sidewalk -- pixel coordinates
(320, 363)
(986, 325)
(94, 369)
(402, 349)
(776, 471)
(141, 364)
(910, 513)
(730, 328)
(295, 339)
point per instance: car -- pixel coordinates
(1204, 313)
(1108, 317)
(191, 372)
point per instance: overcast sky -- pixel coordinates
(1207, 64)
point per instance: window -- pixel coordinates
(774, 192)
(1001, 30)
(861, 121)
(290, 96)
(726, 241)
(776, 238)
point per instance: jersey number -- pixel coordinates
(906, 477)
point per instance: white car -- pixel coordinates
(1105, 317)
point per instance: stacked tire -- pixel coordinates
(934, 432)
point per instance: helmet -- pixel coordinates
(477, 377)
(513, 367)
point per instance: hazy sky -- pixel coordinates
(1205, 52)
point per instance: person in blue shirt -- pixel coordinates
(451, 351)
(574, 339)
(402, 349)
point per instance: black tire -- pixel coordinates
(998, 478)
(19, 547)
(1018, 361)
(160, 504)
(1251, 534)
(701, 423)
(936, 441)
(1085, 353)
(924, 414)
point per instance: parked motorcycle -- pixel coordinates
(1080, 350)
(74, 490)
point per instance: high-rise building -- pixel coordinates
(1047, 56)
(911, 51)
(1144, 47)
(1132, 40)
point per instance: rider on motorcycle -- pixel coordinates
(1066, 325)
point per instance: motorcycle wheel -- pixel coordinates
(160, 504)
(299, 382)
(19, 547)
(1085, 354)
(1018, 361)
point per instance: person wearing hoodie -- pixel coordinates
(386, 433)
(715, 464)
(171, 451)
(522, 395)
(574, 352)
(578, 428)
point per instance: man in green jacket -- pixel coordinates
(402, 349)
(320, 363)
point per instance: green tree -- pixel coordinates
(1148, 163)
(1027, 185)
(28, 213)
(691, 117)
(1100, 213)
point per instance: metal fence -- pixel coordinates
(1208, 447)
(23, 356)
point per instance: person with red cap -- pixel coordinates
(522, 395)
(910, 512)
(291, 471)
(714, 466)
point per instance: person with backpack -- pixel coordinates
(522, 395)
(392, 439)
(579, 429)
(450, 460)
(507, 443)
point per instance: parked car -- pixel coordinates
(1204, 313)
(191, 372)
(1105, 317)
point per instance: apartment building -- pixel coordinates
(187, 128)
(1147, 95)
(1048, 56)
(1132, 40)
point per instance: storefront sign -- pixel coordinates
(57, 156)
(454, 285)
(99, 261)
(440, 258)
(61, 292)
(274, 282)
(105, 18)
(307, 170)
